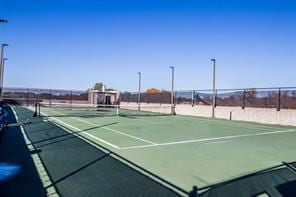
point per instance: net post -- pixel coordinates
(36, 110)
(244, 99)
(279, 100)
(39, 114)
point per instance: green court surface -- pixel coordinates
(185, 150)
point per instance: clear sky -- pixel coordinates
(73, 44)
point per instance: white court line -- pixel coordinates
(109, 129)
(245, 125)
(242, 125)
(217, 142)
(208, 139)
(226, 122)
(84, 132)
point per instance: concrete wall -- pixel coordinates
(164, 108)
(261, 115)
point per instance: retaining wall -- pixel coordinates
(261, 115)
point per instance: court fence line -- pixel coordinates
(274, 97)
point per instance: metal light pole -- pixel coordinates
(214, 88)
(1, 65)
(139, 91)
(1, 56)
(1, 21)
(2, 78)
(172, 91)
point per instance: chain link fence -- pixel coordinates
(31, 96)
(156, 98)
(279, 98)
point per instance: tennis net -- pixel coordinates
(93, 110)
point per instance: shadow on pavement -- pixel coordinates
(78, 168)
(277, 181)
(14, 152)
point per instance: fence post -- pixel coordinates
(95, 102)
(71, 99)
(50, 98)
(216, 98)
(38, 109)
(244, 99)
(192, 98)
(279, 100)
(27, 95)
(161, 97)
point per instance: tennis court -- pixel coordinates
(184, 150)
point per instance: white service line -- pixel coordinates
(217, 142)
(122, 133)
(209, 139)
(109, 129)
(84, 132)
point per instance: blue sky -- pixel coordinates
(73, 44)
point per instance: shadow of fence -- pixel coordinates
(276, 181)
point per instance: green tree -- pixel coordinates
(152, 91)
(98, 86)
